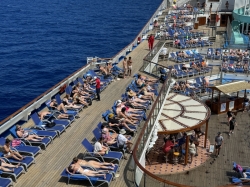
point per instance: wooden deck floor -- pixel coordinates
(49, 164)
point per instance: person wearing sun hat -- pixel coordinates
(123, 142)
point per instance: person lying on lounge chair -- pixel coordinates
(42, 114)
(77, 91)
(120, 123)
(8, 153)
(144, 78)
(21, 133)
(5, 167)
(67, 104)
(94, 164)
(134, 94)
(77, 169)
(109, 138)
(87, 87)
(128, 109)
(53, 104)
(78, 99)
(80, 90)
(146, 92)
(121, 115)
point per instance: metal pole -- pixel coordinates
(205, 143)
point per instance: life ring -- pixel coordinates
(62, 89)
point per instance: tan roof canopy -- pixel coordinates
(232, 87)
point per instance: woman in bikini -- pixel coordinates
(77, 98)
(77, 169)
(109, 137)
(21, 133)
(3, 166)
(121, 115)
(8, 153)
(94, 164)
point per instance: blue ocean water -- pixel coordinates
(44, 41)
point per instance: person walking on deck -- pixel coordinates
(151, 40)
(98, 88)
(218, 144)
(125, 67)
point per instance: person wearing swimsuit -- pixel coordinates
(129, 63)
(3, 166)
(94, 164)
(77, 169)
(8, 153)
(21, 133)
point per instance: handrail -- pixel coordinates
(143, 133)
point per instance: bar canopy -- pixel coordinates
(231, 87)
(181, 114)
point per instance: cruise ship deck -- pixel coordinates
(50, 163)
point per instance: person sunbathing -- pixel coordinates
(87, 87)
(144, 78)
(109, 67)
(121, 115)
(109, 138)
(134, 94)
(100, 148)
(67, 104)
(5, 167)
(136, 102)
(94, 164)
(21, 133)
(8, 153)
(128, 109)
(77, 169)
(113, 121)
(184, 68)
(53, 104)
(42, 114)
(80, 90)
(78, 99)
(146, 92)
(194, 66)
(130, 115)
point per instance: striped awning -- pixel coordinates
(232, 87)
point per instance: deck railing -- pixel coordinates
(142, 177)
(24, 112)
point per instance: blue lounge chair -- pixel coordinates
(17, 172)
(72, 113)
(93, 181)
(60, 126)
(26, 162)
(6, 182)
(44, 142)
(22, 148)
(59, 101)
(114, 157)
